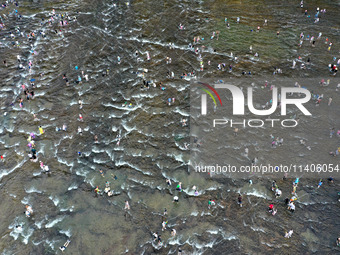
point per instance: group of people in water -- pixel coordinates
(64, 19)
(28, 90)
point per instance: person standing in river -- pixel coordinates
(239, 200)
(127, 206)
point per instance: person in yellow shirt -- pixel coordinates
(41, 130)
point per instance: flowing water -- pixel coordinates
(143, 144)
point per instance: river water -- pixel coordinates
(140, 137)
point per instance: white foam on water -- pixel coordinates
(175, 241)
(64, 162)
(194, 213)
(181, 112)
(33, 190)
(114, 128)
(4, 173)
(55, 200)
(177, 157)
(37, 243)
(258, 229)
(123, 163)
(73, 186)
(54, 222)
(66, 232)
(212, 188)
(206, 213)
(50, 243)
(25, 201)
(110, 154)
(228, 236)
(90, 181)
(139, 154)
(271, 245)
(128, 129)
(67, 209)
(96, 150)
(257, 194)
(99, 161)
(144, 183)
(200, 246)
(213, 232)
(39, 223)
(81, 173)
(25, 233)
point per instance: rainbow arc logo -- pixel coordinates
(204, 96)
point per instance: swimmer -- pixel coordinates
(278, 193)
(63, 248)
(164, 225)
(101, 172)
(329, 101)
(46, 169)
(127, 206)
(29, 211)
(289, 234)
(107, 189)
(35, 118)
(41, 130)
(291, 207)
(330, 179)
(239, 200)
(155, 236)
(179, 187)
(270, 208)
(211, 203)
(246, 151)
(274, 186)
(173, 232)
(80, 104)
(274, 212)
(80, 131)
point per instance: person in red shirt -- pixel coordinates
(271, 207)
